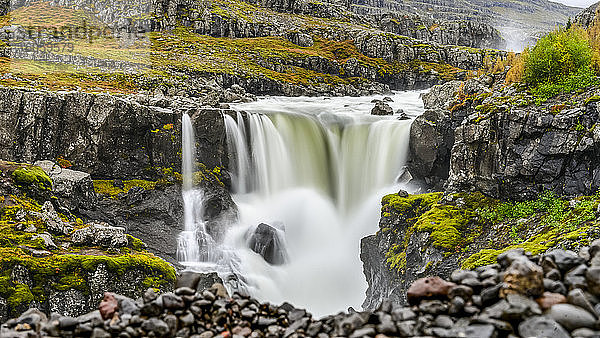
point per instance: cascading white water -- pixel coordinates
(316, 170)
(188, 248)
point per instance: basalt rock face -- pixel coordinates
(120, 138)
(432, 134)
(462, 33)
(106, 136)
(155, 216)
(474, 137)
(517, 151)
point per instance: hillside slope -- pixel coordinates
(520, 22)
(267, 48)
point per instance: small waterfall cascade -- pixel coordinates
(308, 175)
(194, 243)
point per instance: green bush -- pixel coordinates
(561, 62)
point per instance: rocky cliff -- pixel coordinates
(131, 147)
(434, 234)
(587, 17)
(503, 143)
(55, 261)
(520, 22)
(107, 136)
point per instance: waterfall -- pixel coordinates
(311, 172)
(194, 244)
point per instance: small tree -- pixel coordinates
(561, 61)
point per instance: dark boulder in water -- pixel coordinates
(267, 242)
(382, 108)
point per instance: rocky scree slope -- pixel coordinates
(54, 261)
(554, 294)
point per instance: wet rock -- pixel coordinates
(520, 307)
(462, 291)
(541, 326)
(172, 301)
(585, 333)
(430, 287)
(156, 326)
(578, 298)
(433, 307)
(565, 259)
(382, 108)
(571, 317)
(524, 277)
(555, 286)
(458, 276)
(592, 278)
(506, 258)
(268, 242)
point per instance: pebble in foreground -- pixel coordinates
(550, 295)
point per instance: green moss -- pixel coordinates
(32, 176)
(415, 203)
(5, 283)
(135, 243)
(20, 296)
(536, 245)
(107, 187)
(71, 282)
(595, 98)
(443, 224)
(62, 270)
(61, 265)
(450, 225)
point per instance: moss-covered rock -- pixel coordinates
(49, 277)
(434, 234)
(32, 176)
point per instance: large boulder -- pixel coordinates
(75, 189)
(381, 109)
(268, 242)
(100, 234)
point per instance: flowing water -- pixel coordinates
(315, 169)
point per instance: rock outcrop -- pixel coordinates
(104, 135)
(515, 149)
(587, 17)
(473, 137)
(436, 233)
(266, 241)
(57, 263)
(432, 133)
